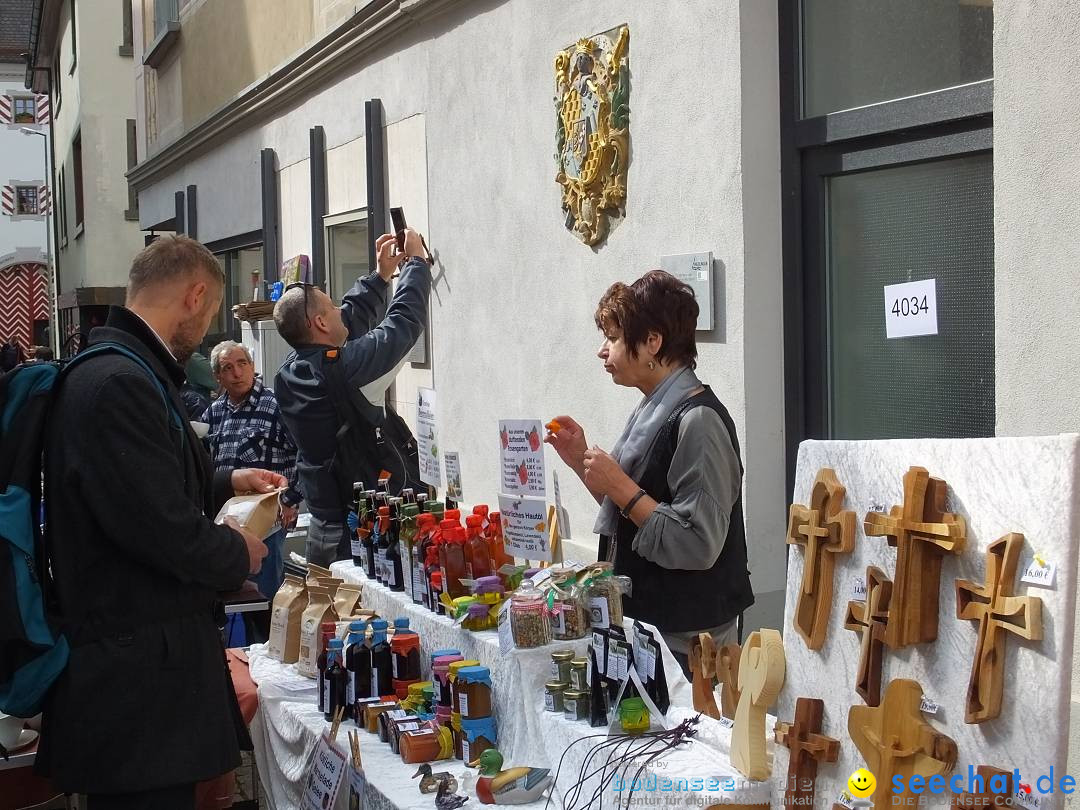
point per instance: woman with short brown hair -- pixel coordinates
(670, 491)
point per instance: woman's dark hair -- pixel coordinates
(656, 302)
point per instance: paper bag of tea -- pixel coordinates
(256, 513)
(345, 599)
(314, 572)
(331, 584)
(285, 618)
(319, 609)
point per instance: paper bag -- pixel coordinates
(256, 513)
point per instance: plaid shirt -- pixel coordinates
(252, 434)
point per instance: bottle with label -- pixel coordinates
(482, 510)
(355, 543)
(327, 630)
(392, 557)
(452, 559)
(371, 528)
(383, 544)
(334, 681)
(405, 647)
(477, 553)
(436, 590)
(407, 548)
(499, 557)
(357, 664)
(424, 525)
(382, 664)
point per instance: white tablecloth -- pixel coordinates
(287, 725)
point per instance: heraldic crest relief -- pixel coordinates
(592, 136)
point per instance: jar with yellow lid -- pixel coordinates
(456, 667)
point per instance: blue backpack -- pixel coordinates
(33, 650)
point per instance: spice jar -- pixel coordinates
(553, 696)
(579, 674)
(604, 596)
(472, 692)
(477, 736)
(566, 605)
(560, 665)
(455, 668)
(440, 673)
(633, 715)
(528, 617)
(575, 705)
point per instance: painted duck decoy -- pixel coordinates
(512, 786)
(429, 782)
(446, 800)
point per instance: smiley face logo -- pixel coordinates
(861, 784)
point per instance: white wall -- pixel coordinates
(512, 311)
(1036, 227)
(22, 159)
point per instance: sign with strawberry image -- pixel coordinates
(521, 457)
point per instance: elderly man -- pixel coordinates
(145, 708)
(246, 430)
(349, 353)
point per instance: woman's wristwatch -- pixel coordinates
(625, 511)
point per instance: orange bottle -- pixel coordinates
(499, 557)
(477, 552)
(452, 559)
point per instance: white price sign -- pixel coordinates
(327, 768)
(911, 309)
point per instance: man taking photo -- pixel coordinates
(145, 708)
(331, 390)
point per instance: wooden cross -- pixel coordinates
(702, 661)
(895, 740)
(995, 790)
(999, 612)
(824, 530)
(727, 673)
(762, 667)
(923, 533)
(807, 748)
(869, 620)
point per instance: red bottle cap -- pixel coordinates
(436, 579)
(448, 525)
(453, 514)
(384, 511)
(328, 627)
(474, 521)
(493, 517)
(480, 509)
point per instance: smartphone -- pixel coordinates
(397, 218)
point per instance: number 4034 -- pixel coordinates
(911, 305)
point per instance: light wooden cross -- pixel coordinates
(895, 740)
(807, 747)
(999, 612)
(996, 790)
(762, 667)
(727, 673)
(823, 529)
(923, 533)
(869, 620)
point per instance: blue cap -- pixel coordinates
(357, 627)
(480, 727)
(379, 625)
(401, 623)
(440, 653)
(475, 674)
(336, 644)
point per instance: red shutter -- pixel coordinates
(42, 109)
(44, 200)
(6, 114)
(9, 200)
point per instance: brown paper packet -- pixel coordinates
(346, 599)
(285, 618)
(319, 609)
(256, 513)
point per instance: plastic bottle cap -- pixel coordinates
(384, 511)
(336, 644)
(474, 521)
(401, 622)
(448, 525)
(379, 625)
(410, 510)
(480, 509)
(356, 627)
(436, 579)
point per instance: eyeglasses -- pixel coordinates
(306, 286)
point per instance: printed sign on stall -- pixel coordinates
(453, 475)
(427, 438)
(525, 527)
(911, 309)
(521, 457)
(326, 772)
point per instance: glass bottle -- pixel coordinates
(370, 528)
(477, 552)
(499, 557)
(383, 544)
(357, 664)
(356, 545)
(407, 549)
(382, 663)
(392, 556)
(334, 681)
(452, 559)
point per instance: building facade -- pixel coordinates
(81, 57)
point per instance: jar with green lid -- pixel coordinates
(576, 705)
(579, 674)
(633, 715)
(566, 609)
(553, 696)
(560, 665)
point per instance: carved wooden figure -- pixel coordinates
(895, 740)
(703, 666)
(727, 672)
(923, 533)
(995, 790)
(999, 612)
(823, 529)
(869, 619)
(762, 667)
(807, 747)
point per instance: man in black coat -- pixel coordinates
(145, 708)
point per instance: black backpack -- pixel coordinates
(369, 446)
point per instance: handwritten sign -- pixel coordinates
(327, 769)
(427, 438)
(525, 527)
(521, 457)
(453, 475)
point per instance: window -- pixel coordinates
(126, 44)
(132, 212)
(76, 157)
(165, 12)
(346, 251)
(62, 185)
(56, 82)
(24, 110)
(74, 39)
(26, 201)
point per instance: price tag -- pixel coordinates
(928, 706)
(911, 309)
(356, 789)
(327, 769)
(858, 589)
(1027, 798)
(598, 650)
(845, 799)
(1040, 573)
(727, 722)
(506, 635)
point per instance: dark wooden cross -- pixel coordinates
(995, 790)
(823, 529)
(999, 612)
(869, 620)
(807, 747)
(727, 673)
(923, 533)
(895, 740)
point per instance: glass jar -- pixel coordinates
(553, 696)
(472, 692)
(566, 603)
(576, 705)
(455, 668)
(528, 617)
(477, 736)
(633, 715)
(440, 673)
(579, 674)
(560, 665)
(604, 596)
(426, 745)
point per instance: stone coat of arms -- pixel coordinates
(592, 137)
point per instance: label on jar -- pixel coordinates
(506, 633)
(598, 611)
(579, 679)
(549, 701)
(570, 708)
(555, 675)
(558, 620)
(466, 749)
(463, 703)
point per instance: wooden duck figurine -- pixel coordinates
(512, 786)
(429, 782)
(446, 800)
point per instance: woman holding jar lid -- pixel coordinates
(670, 491)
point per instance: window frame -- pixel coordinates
(20, 187)
(16, 100)
(74, 40)
(127, 41)
(77, 181)
(330, 221)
